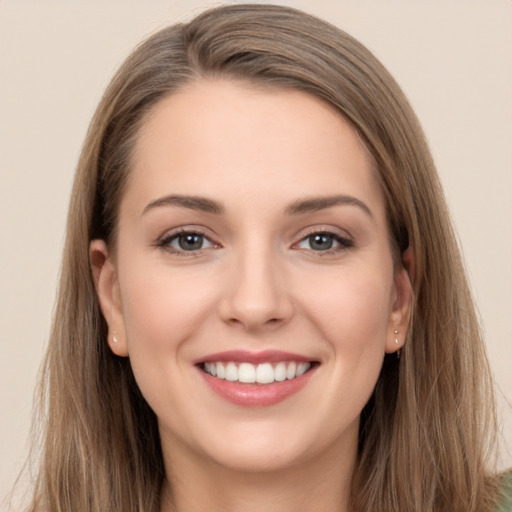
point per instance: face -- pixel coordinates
(253, 286)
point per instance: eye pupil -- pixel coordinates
(190, 241)
(320, 241)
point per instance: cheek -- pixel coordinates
(163, 310)
(351, 308)
(352, 313)
(161, 305)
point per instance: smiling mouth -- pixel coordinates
(264, 373)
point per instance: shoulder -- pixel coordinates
(506, 498)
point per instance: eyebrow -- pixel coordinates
(299, 207)
(315, 204)
(191, 202)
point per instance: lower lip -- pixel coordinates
(256, 395)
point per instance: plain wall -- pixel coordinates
(453, 60)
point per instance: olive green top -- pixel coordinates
(506, 502)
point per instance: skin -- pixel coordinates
(257, 283)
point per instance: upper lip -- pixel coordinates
(245, 356)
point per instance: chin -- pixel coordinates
(273, 446)
(259, 456)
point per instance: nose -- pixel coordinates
(256, 294)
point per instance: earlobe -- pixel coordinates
(401, 309)
(107, 289)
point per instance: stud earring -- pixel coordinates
(114, 338)
(397, 343)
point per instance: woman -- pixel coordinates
(262, 304)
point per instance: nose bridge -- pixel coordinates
(256, 295)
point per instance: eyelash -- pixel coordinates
(343, 243)
(165, 243)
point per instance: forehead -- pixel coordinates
(231, 138)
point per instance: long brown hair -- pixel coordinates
(427, 428)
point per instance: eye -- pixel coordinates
(324, 242)
(186, 241)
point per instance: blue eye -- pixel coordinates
(323, 242)
(186, 241)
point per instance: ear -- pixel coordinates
(402, 304)
(107, 288)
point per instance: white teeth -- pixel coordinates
(302, 368)
(264, 373)
(246, 373)
(220, 369)
(210, 368)
(280, 372)
(231, 372)
(291, 370)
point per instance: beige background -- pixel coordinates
(453, 59)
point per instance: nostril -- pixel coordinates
(254, 306)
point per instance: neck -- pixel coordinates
(321, 483)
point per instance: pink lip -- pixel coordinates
(255, 395)
(241, 356)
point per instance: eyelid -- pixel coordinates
(345, 240)
(163, 241)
